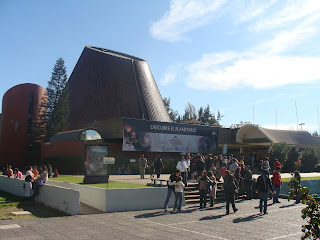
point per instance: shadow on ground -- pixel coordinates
(247, 219)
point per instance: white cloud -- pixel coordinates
(245, 11)
(293, 11)
(171, 74)
(256, 71)
(266, 65)
(184, 16)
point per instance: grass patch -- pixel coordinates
(302, 179)
(11, 203)
(112, 184)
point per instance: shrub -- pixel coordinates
(310, 213)
(279, 151)
(310, 158)
(289, 165)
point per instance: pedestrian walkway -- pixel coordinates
(283, 222)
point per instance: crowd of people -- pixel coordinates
(236, 177)
(33, 178)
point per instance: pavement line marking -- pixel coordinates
(10, 226)
(285, 236)
(169, 226)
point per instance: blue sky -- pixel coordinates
(252, 60)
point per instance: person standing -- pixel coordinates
(276, 183)
(263, 186)
(234, 165)
(200, 166)
(178, 194)
(158, 166)
(142, 162)
(297, 176)
(212, 188)
(230, 191)
(248, 182)
(50, 172)
(266, 165)
(171, 187)
(203, 181)
(276, 164)
(182, 166)
(188, 163)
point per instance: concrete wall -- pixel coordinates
(63, 199)
(313, 185)
(111, 200)
(137, 199)
(92, 196)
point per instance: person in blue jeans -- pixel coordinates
(171, 187)
(179, 186)
(264, 186)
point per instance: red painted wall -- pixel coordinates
(14, 138)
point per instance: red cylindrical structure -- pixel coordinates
(20, 105)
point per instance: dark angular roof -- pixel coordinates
(106, 84)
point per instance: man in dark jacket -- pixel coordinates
(200, 166)
(230, 188)
(264, 186)
(171, 186)
(158, 166)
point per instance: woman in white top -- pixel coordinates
(182, 166)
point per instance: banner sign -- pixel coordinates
(150, 136)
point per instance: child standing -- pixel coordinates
(178, 194)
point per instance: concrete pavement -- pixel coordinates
(283, 222)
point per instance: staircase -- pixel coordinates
(192, 195)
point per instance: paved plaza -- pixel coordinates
(283, 222)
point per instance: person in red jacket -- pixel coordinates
(276, 164)
(276, 183)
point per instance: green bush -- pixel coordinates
(279, 151)
(289, 165)
(310, 158)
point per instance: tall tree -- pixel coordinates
(189, 113)
(54, 109)
(174, 115)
